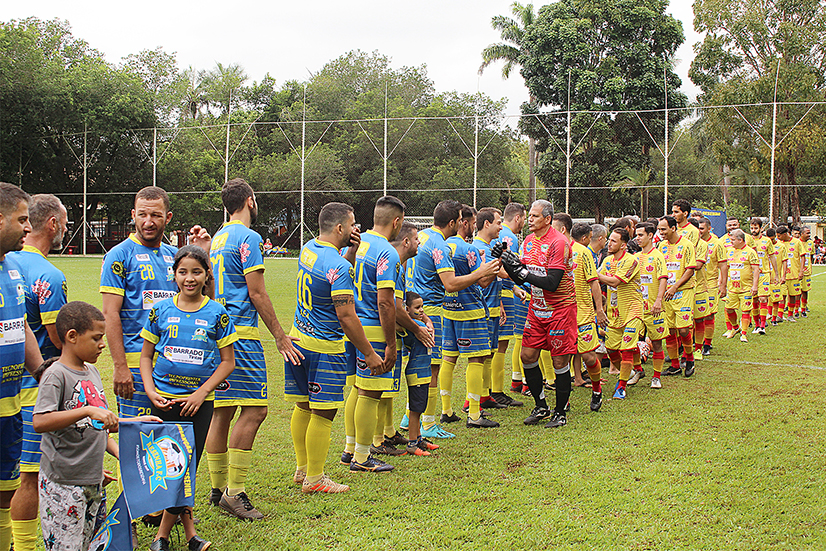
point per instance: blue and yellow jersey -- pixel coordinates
(187, 344)
(12, 335)
(510, 239)
(45, 296)
(376, 268)
(143, 276)
(433, 258)
(493, 292)
(236, 251)
(468, 303)
(322, 275)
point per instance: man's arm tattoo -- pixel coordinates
(343, 300)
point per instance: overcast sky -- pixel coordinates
(292, 39)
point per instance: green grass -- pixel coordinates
(730, 459)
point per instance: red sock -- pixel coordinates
(658, 359)
(744, 323)
(731, 320)
(688, 345)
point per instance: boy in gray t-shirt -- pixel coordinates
(71, 410)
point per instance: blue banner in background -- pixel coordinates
(716, 217)
(156, 465)
(115, 534)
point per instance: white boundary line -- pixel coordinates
(820, 368)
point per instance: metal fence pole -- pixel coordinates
(475, 156)
(666, 151)
(774, 142)
(303, 136)
(155, 156)
(85, 164)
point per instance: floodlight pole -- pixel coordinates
(475, 154)
(568, 150)
(226, 150)
(155, 156)
(303, 136)
(385, 139)
(774, 138)
(665, 152)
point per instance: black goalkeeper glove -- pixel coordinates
(516, 270)
(497, 250)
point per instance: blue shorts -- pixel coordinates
(494, 332)
(466, 339)
(247, 384)
(520, 315)
(11, 437)
(388, 382)
(30, 458)
(435, 315)
(139, 403)
(506, 331)
(417, 371)
(318, 379)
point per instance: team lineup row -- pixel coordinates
(464, 288)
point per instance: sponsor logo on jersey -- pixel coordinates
(463, 342)
(200, 335)
(12, 331)
(173, 319)
(142, 257)
(168, 259)
(205, 323)
(14, 274)
(152, 297)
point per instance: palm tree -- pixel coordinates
(222, 83)
(636, 179)
(513, 32)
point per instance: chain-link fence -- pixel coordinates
(761, 159)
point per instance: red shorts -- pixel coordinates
(556, 333)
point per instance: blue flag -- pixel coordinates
(157, 463)
(115, 534)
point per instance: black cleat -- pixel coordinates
(481, 423)
(215, 496)
(671, 370)
(689, 369)
(539, 414)
(596, 401)
(452, 418)
(706, 349)
(558, 420)
(506, 400)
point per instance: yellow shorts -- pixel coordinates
(739, 301)
(793, 287)
(679, 310)
(656, 328)
(712, 303)
(763, 285)
(624, 338)
(806, 283)
(587, 338)
(701, 309)
(776, 292)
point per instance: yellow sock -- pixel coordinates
(318, 443)
(389, 425)
(381, 416)
(239, 466)
(429, 415)
(517, 372)
(366, 412)
(218, 469)
(298, 430)
(5, 528)
(546, 364)
(473, 380)
(497, 372)
(25, 534)
(446, 383)
(486, 375)
(350, 420)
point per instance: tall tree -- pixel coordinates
(512, 32)
(754, 51)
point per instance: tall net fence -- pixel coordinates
(761, 159)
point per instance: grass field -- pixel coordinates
(732, 458)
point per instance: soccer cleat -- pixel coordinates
(299, 476)
(557, 420)
(346, 458)
(152, 520)
(774, 323)
(503, 398)
(417, 448)
(656, 383)
(698, 355)
(756, 331)
(215, 496)
(436, 432)
(805, 313)
(160, 544)
(489, 403)
(797, 315)
(325, 484)
(789, 318)
(452, 418)
(539, 414)
(689, 369)
(707, 348)
(549, 386)
(197, 543)
(730, 333)
(430, 446)
(516, 387)
(405, 423)
(619, 393)
(762, 331)
(397, 439)
(596, 401)
(526, 391)
(386, 448)
(743, 338)
(481, 423)
(636, 375)
(240, 506)
(671, 370)
(370, 465)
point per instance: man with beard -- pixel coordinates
(237, 258)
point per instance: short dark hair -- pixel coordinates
(781, 229)
(580, 230)
(683, 205)
(694, 222)
(407, 229)
(704, 220)
(77, 315)
(41, 208)
(566, 220)
(756, 221)
(623, 233)
(796, 228)
(235, 193)
(192, 251)
(487, 214)
(10, 197)
(410, 297)
(468, 212)
(648, 227)
(624, 222)
(770, 232)
(513, 209)
(153, 193)
(387, 208)
(446, 212)
(670, 220)
(331, 215)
